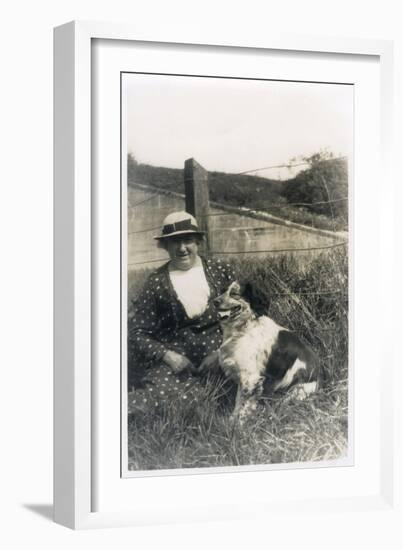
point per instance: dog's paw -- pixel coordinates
(210, 362)
(302, 391)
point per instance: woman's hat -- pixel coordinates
(179, 223)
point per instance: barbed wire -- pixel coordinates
(289, 165)
(302, 293)
(243, 211)
(144, 230)
(268, 251)
(274, 250)
(148, 261)
(143, 201)
(251, 209)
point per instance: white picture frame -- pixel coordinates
(77, 501)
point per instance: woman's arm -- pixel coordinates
(144, 326)
(178, 362)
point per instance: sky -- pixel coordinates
(234, 125)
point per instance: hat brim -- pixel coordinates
(185, 232)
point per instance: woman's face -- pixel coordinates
(182, 251)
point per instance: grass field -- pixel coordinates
(310, 298)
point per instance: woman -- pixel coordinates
(174, 326)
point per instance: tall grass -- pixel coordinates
(310, 298)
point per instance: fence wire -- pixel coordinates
(243, 211)
(268, 251)
(289, 165)
(255, 210)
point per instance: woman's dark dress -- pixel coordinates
(159, 323)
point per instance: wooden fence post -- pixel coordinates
(197, 197)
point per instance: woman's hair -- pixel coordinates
(161, 243)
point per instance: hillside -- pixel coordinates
(310, 189)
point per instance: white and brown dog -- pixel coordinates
(259, 355)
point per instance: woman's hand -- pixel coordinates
(178, 362)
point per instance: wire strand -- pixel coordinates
(242, 212)
(148, 261)
(316, 293)
(287, 165)
(145, 200)
(143, 230)
(251, 209)
(273, 250)
(234, 253)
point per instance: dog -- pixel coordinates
(259, 355)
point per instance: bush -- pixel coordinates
(322, 187)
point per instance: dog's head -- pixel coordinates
(232, 306)
(240, 304)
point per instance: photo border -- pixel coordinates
(75, 309)
(343, 461)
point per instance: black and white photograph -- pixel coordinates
(235, 272)
(201, 215)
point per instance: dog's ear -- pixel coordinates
(235, 287)
(259, 303)
(247, 291)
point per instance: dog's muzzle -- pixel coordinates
(229, 313)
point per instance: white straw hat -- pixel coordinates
(179, 223)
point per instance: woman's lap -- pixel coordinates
(160, 386)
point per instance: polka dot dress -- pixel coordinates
(159, 323)
(162, 387)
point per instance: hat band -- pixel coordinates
(179, 226)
